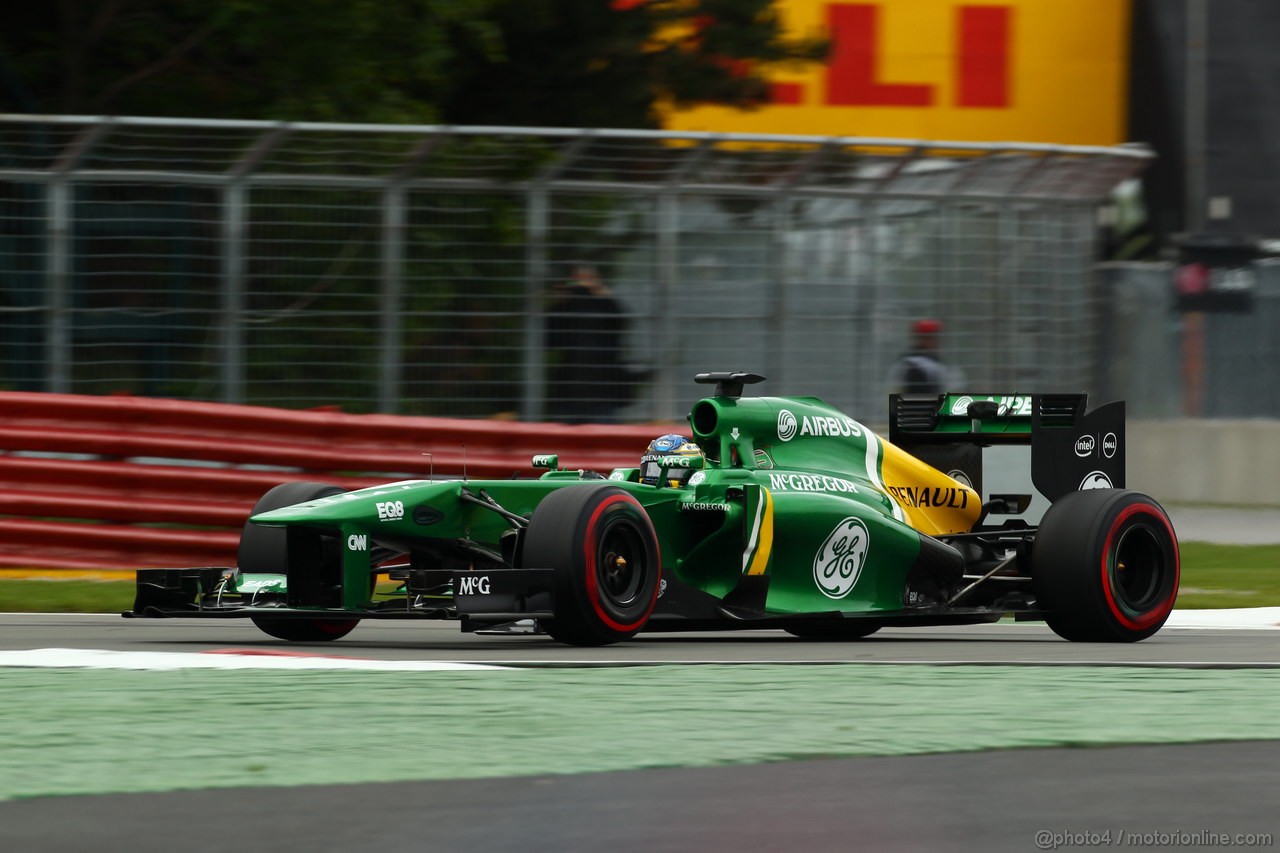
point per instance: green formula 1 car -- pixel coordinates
(791, 516)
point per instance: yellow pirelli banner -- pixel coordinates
(983, 70)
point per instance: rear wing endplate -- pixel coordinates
(1072, 448)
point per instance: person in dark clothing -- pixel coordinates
(586, 335)
(921, 370)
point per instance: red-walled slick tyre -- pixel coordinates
(1105, 566)
(604, 551)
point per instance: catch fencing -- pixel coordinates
(414, 269)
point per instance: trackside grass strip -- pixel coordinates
(96, 731)
(1218, 576)
(65, 596)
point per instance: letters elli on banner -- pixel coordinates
(1011, 70)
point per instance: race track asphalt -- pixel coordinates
(1019, 800)
(996, 680)
(1004, 643)
(1160, 795)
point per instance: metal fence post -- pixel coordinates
(776, 322)
(668, 212)
(60, 196)
(391, 329)
(866, 305)
(232, 333)
(669, 335)
(395, 225)
(1005, 304)
(532, 405)
(58, 337)
(782, 222)
(234, 203)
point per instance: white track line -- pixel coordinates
(168, 661)
(102, 659)
(1251, 618)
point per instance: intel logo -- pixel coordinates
(1085, 445)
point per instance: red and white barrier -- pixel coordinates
(102, 483)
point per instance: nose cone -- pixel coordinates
(379, 503)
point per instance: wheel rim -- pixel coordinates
(1138, 570)
(621, 565)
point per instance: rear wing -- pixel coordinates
(1072, 448)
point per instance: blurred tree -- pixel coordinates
(601, 63)
(596, 63)
(335, 60)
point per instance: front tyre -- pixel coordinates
(266, 549)
(603, 548)
(304, 630)
(1105, 566)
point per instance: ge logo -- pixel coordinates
(786, 425)
(1095, 480)
(840, 559)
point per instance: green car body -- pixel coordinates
(800, 518)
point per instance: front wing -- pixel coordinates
(486, 598)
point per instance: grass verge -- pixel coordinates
(1213, 576)
(65, 596)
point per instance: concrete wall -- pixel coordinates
(1205, 461)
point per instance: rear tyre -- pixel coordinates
(266, 549)
(838, 631)
(1105, 566)
(603, 548)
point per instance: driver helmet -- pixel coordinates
(663, 446)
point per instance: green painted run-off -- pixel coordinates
(95, 731)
